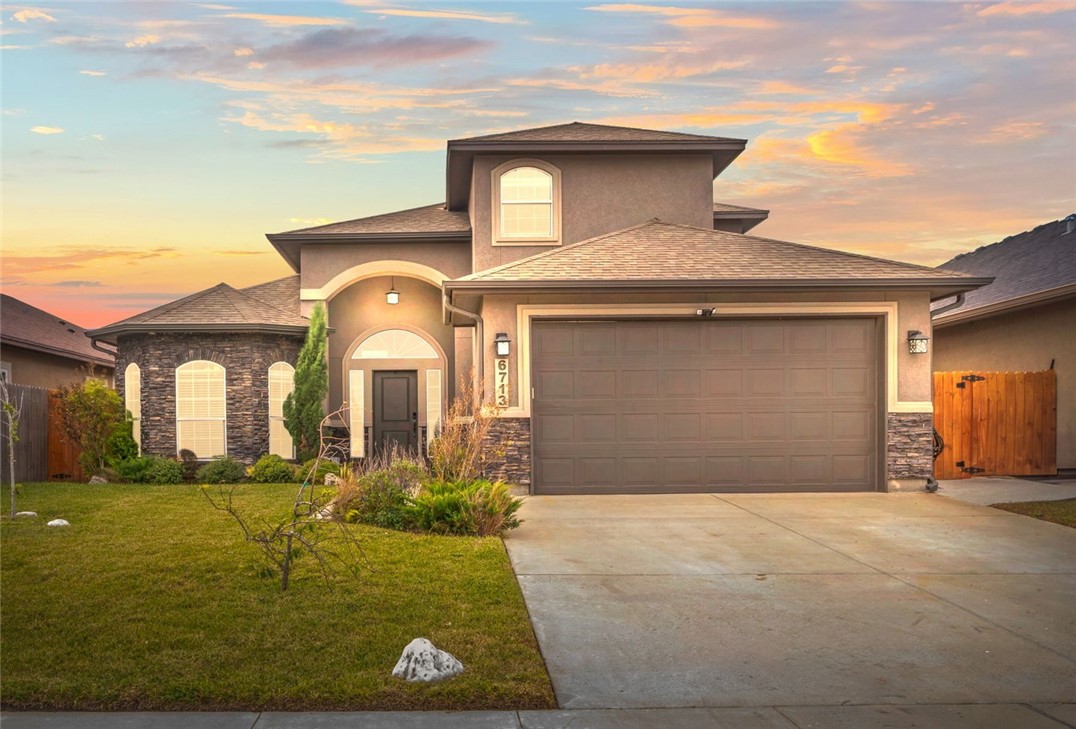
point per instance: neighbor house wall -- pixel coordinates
(601, 193)
(1022, 341)
(41, 369)
(246, 358)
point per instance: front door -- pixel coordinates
(395, 410)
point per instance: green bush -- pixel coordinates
(382, 497)
(479, 508)
(271, 468)
(133, 470)
(163, 470)
(222, 469)
(121, 444)
(324, 467)
(189, 460)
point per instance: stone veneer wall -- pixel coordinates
(508, 451)
(909, 445)
(246, 358)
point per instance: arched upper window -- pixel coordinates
(201, 421)
(132, 396)
(395, 344)
(526, 202)
(281, 383)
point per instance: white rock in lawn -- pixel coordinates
(331, 479)
(59, 522)
(98, 479)
(422, 661)
(26, 514)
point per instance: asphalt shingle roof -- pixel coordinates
(427, 219)
(726, 208)
(33, 328)
(659, 251)
(1036, 260)
(593, 133)
(283, 293)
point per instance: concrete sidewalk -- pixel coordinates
(965, 716)
(1005, 490)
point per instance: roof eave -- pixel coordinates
(939, 288)
(56, 351)
(461, 154)
(110, 334)
(964, 315)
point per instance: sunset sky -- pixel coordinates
(148, 147)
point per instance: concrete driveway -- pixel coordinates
(797, 600)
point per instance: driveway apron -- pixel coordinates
(808, 600)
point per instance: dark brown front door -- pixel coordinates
(395, 410)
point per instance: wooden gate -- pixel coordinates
(996, 423)
(30, 449)
(63, 453)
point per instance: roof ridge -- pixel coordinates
(165, 308)
(266, 283)
(364, 217)
(560, 249)
(262, 302)
(849, 254)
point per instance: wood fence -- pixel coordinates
(63, 453)
(996, 423)
(32, 431)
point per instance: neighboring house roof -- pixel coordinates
(750, 217)
(1033, 267)
(220, 308)
(22, 325)
(589, 133)
(428, 223)
(667, 254)
(577, 137)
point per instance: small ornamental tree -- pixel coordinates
(11, 412)
(304, 408)
(91, 414)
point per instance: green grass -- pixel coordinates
(1059, 512)
(151, 600)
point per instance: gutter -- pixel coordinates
(54, 351)
(112, 352)
(948, 307)
(1002, 307)
(479, 326)
(623, 285)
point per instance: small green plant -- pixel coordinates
(163, 470)
(222, 469)
(121, 444)
(91, 414)
(480, 508)
(271, 468)
(303, 408)
(314, 470)
(382, 497)
(189, 460)
(132, 470)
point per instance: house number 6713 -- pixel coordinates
(502, 383)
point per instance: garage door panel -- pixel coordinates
(706, 405)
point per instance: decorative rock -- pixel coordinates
(422, 661)
(98, 479)
(59, 522)
(331, 479)
(26, 514)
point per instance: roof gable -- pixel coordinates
(426, 219)
(592, 133)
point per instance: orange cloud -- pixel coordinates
(499, 18)
(143, 40)
(691, 17)
(841, 146)
(27, 14)
(1013, 131)
(46, 130)
(1024, 8)
(283, 21)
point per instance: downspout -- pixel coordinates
(948, 307)
(479, 326)
(99, 348)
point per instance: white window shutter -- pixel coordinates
(281, 384)
(132, 395)
(433, 406)
(356, 414)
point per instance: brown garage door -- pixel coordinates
(705, 405)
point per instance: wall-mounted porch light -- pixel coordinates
(503, 344)
(392, 296)
(917, 342)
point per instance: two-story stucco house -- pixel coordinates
(634, 338)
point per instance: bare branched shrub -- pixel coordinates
(464, 444)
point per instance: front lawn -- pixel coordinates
(151, 600)
(1059, 512)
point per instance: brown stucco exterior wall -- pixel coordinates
(321, 262)
(360, 310)
(601, 194)
(40, 369)
(246, 358)
(1021, 341)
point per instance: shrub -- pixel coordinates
(382, 497)
(132, 470)
(324, 467)
(91, 413)
(271, 468)
(465, 441)
(189, 460)
(222, 469)
(303, 407)
(121, 444)
(163, 470)
(479, 508)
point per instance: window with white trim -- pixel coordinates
(201, 421)
(281, 383)
(525, 203)
(132, 396)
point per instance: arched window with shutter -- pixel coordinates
(132, 396)
(281, 383)
(201, 409)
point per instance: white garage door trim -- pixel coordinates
(888, 310)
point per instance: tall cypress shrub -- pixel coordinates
(304, 408)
